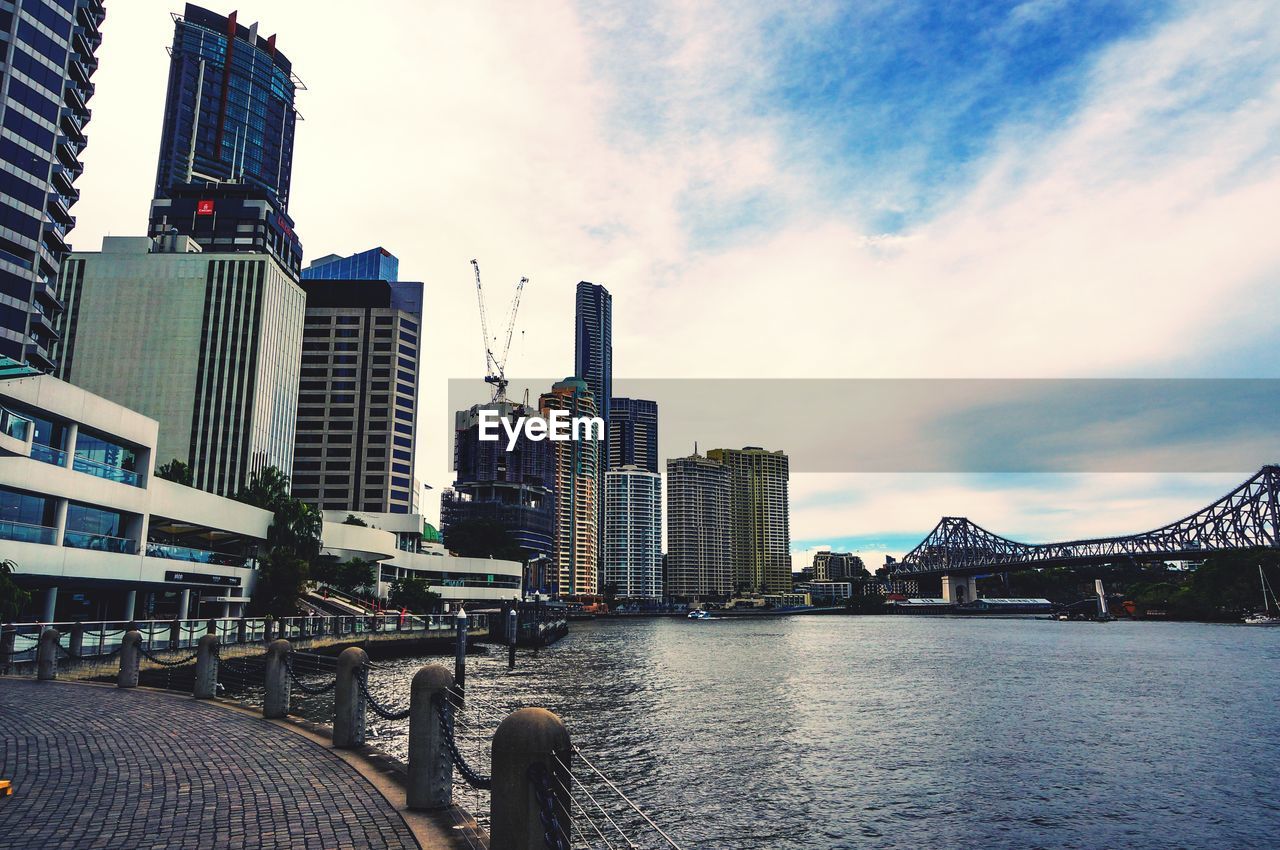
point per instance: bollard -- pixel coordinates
(211, 628)
(267, 630)
(242, 631)
(460, 655)
(175, 634)
(529, 736)
(47, 654)
(76, 647)
(275, 703)
(430, 769)
(7, 636)
(348, 701)
(130, 659)
(512, 625)
(206, 686)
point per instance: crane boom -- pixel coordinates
(495, 367)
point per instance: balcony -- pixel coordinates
(14, 425)
(23, 532)
(99, 542)
(73, 125)
(61, 212)
(47, 297)
(197, 556)
(42, 323)
(48, 454)
(105, 470)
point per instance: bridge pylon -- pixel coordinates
(959, 589)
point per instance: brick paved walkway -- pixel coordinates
(96, 767)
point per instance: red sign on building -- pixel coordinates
(204, 207)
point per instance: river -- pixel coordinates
(916, 732)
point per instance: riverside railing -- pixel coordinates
(86, 640)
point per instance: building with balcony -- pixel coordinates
(698, 562)
(760, 519)
(633, 532)
(575, 481)
(415, 551)
(356, 433)
(208, 344)
(93, 533)
(47, 59)
(838, 566)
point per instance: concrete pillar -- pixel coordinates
(47, 654)
(206, 686)
(949, 588)
(430, 768)
(275, 702)
(226, 610)
(130, 605)
(528, 737)
(59, 522)
(130, 659)
(184, 604)
(73, 432)
(971, 588)
(76, 647)
(348, 701)
(50, 605)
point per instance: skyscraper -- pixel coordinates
(760, 540)
(593, 346)
(208, 344)
(633, 433)
(46, 60)
(512, 488)
(373, 264)
(576, 481)
(226, 145)
(357, 402)
(633, 532)
(698, 561)
(838, 566)
(229, 114)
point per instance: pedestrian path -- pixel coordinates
(100, 767)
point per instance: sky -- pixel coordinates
(790, 190)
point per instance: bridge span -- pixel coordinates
(958, 549)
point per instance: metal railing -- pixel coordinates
(48, 454)
(99, 542)
(103, 637)
(105, 470)
(174, 552)
(23, 532)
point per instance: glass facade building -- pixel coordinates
(47, 57)
(633, 433)
(229, 115)
(374, 264)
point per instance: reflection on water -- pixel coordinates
(896, 732)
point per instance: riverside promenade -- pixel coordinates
(96, 766)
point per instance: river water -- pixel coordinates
(916, 732)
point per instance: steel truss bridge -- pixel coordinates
(1248, 517)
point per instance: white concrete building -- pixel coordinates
(93, 533)
(633, 532)
(417, 552)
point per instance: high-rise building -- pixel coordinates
(208, 344)
(226, 145)
(575, 464)
(373, 264)
(633, 532)
(633, 433)
(697, 562)
(357, 402)
(838, 566)
(593, 347)
(47, 57)
(760, 543)
(509, 487)
(229, 115)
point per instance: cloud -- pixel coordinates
(1111, 218)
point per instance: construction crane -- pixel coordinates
(495, 365)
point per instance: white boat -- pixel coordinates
(699, 614)
(1265, 617)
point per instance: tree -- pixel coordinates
(414, 595)
(12, 597)
(293, 542)
(352, 519)
(175, 471)
(483, 538)
(611, 595)
(282, 578)
(349, 576)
